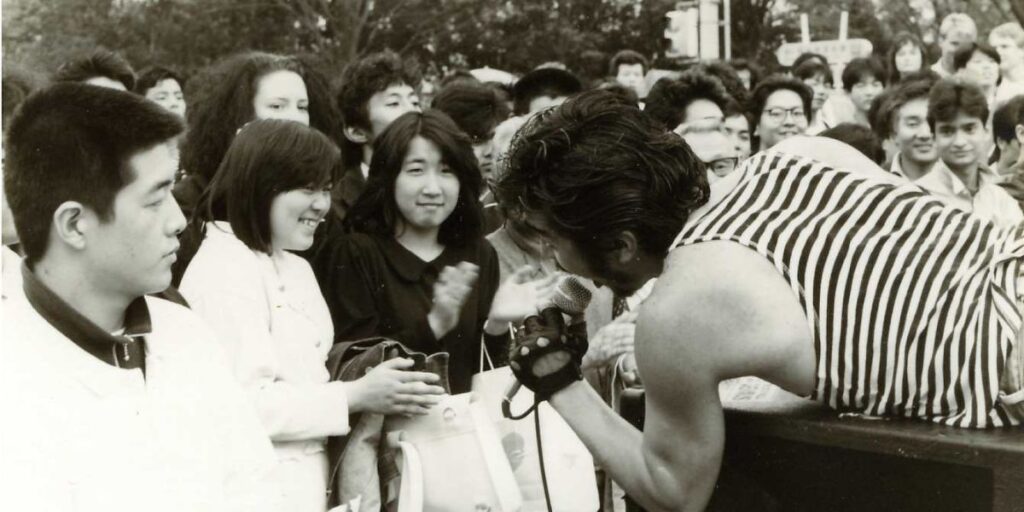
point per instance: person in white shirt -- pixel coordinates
(113, 401)
(270, 193)
(957, 111)
(904, 123)
(957, 30)
(1008, 40)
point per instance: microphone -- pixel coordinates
(571, 296)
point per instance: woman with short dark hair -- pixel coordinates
(268, 195)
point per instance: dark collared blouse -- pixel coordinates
(377, 287)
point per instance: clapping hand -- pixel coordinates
(451, 290)
(519, 296)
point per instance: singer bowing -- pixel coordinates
(414, 265)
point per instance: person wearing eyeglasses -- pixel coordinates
(711, 144)
(782, 108)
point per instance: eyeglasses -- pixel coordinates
(722, 166)
(778, 114)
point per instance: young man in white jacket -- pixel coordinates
(113, 400)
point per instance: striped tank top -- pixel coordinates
(912, 304)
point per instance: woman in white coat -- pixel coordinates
(269, 194)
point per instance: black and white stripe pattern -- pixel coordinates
(913, 304)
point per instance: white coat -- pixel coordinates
(276, 328)
(81, 435)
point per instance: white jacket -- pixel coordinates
(81, 435)
(276, 329)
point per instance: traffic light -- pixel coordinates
(675, 32)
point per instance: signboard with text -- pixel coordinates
(836, 51)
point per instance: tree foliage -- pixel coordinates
(515, 35)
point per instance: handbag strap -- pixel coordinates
(410, 495)
(485, 355)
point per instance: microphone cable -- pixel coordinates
(540, 456)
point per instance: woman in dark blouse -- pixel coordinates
(414, 265)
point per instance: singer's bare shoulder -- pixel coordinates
(726, 309)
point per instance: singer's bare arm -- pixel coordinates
(718, 311)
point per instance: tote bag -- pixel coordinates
(568, 464)
(452, 460)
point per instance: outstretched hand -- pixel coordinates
(519, 297)
(611, 341)
(390, 388)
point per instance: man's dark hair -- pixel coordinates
(267, 158)
(964, 54)
(727, 75)
(627, 94)
(668, 99)
(885, 120)
(459, 76)
(375, 212)
(150, 77)
(860, 137)
(774, 83)
(73, 142)
(812, 68)
(952, 96)
(368, 76)
(100, 63)
(1006, 118)
(860, 68)
(632, 173)
(754, 69)
(809, 57)
(221, 102)
(543, 82)
(475, 108)
(628, 58)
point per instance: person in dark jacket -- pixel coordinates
(413, 265)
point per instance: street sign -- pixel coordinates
(836, 51)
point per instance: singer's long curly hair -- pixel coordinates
(595, 167)
(267, 158)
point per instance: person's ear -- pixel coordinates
(1020, 134)
(72, 221)
(356, 135)
(627, 248)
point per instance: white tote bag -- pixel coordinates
(452, 460)
(568, 464)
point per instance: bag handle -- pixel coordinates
(410, 494)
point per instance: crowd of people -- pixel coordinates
(182, 260)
